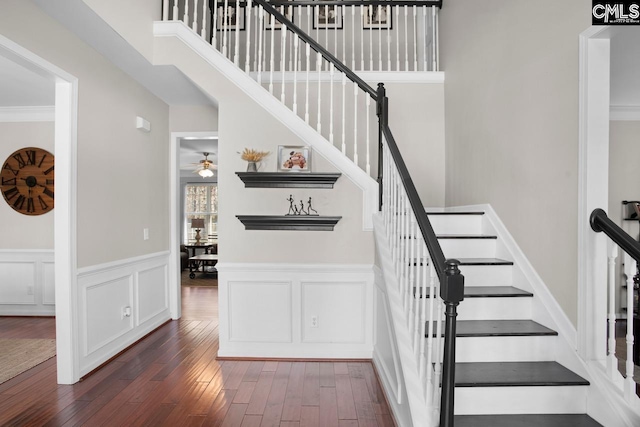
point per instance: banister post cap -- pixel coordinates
(452, 291)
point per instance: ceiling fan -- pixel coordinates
(205, 167)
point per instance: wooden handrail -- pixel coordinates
(600, 222)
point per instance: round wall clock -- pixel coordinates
(27, 181)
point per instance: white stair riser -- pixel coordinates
(456, 224)
(487, 275)
(505, 349)
(468, 248)
(495, 308)
(521, 400)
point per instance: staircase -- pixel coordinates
(505, 361)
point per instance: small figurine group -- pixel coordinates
(295, 210)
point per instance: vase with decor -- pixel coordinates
(253, 157)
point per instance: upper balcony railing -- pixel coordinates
(373, 35)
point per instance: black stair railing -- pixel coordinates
(451, 280)
(600, 222)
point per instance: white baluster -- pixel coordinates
(415, 264)
(308, 68)
(260, 42)
(195, 15)
(326, 32)
(272, 64)
(319, 68)
(283, 60)
(423, 309)
(284, 28)
(225, 24)
(430, 336)
(424, 41)
(343, 122)
(203, 30)
(389, 12)
(398, 38)
(295, 73)
(406, 39)
(368, 141)
(362, 12)
(331, 82)
(353, 37)
(236, 53)
(379, 42)
(629, 384)
(299, 20)
(612, 362)
(165, 10)
(355, 124)
(344, 52)
(415, 39)
(185, 18)
(439, 344)
(247, 61)
(436, 41)
(214, 30)
(370, 11)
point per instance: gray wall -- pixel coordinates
(511, 98)
(112, 153)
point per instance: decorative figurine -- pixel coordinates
(301, 211)
(293, 210)
(310, 209)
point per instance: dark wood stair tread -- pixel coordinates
(494, 292)
(512, 374)
(466, 236)
(483, 261)
(501, 328)
(526, 420)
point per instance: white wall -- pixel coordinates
(511, 101)
(131, 19)
(193, 118)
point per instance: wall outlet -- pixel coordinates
(314, 321)
(126, 312)
(145, 233)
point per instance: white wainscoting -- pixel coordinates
(27, 283)
(119, 303)
(296, 310)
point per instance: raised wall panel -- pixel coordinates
(152, 295)
(103, 312)
(18, 282)
(260, 311)
(339, 309)
(48, 283)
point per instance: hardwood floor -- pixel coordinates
(172, 378)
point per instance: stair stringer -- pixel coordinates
(164, 55)
(421, 413)
(605, 402)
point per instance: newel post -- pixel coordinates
(452, 292)
(382, 112)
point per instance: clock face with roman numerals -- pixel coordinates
(27, 181)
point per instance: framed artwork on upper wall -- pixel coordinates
(271, 22)
(232, 20)
(327, 17)
(377, 17)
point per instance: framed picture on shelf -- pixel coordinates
(294, 158)
(377, 17)
(327, 17)
(271, 22)
(232, 20)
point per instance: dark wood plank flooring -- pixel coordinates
(172, 378)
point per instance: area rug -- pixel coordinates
(19, 355)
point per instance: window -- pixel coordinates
(201, 201)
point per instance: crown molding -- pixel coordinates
(27, 114)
